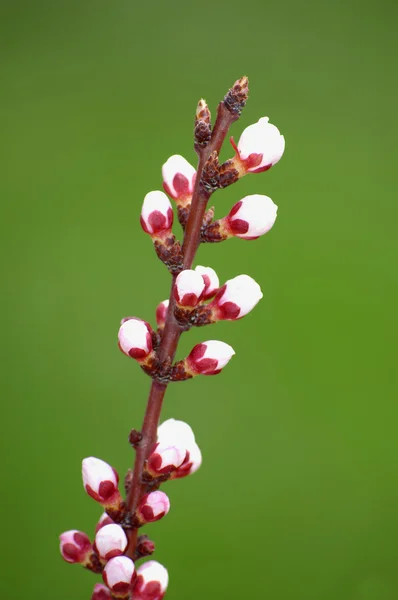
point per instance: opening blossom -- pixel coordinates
(259, 148)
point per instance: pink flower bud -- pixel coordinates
(209, 358)
(104, 520)
(100, 481)
(161, 313)
(260, 146)
(236, 298)
(101, 592)
(191, 464)
(119, 574)
(75, 546)
(156, 213)
(173, 430)
(211, 281)
(135, 338)
(251, 217)
(153, 506)
(110, 541)
(166, 457)
(178, 179)
(152, 581)
(189, 288)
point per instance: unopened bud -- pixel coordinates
(166, 457)
(101, 592)
(75, 547)
(202, 133)
(152, 507)
(119, 575)
(210, 279)
(156, 214)
(152, 581)
(259, 148)
(100, 481)
(236, 298)
(135, 339)
(145, 546)
(188, 289)
(179, 179)
(208, 358)
(236, 98)
(161, 313)
(191, 463)
(250, 218)
(110, 541)
(104, 520)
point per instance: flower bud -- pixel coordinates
(119, 574)
(260, 147)
(189, 287)
(145, 546)
(251, 217)
(104, 520)
(173, 430)
(161, 313)
(165, 458)
(191, 464)
(153, 506)
(156, 214)
(100, 481)
(211, 281)
(135, 338)
(75, 546)
(178, 179)
(152, 581)
(236, 298)
(208, 358)
(101, 592)
(110, 541)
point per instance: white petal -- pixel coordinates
(242, 291)
(220, 351)
(259, 212)
(133, 334)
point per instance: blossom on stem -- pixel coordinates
(188, 289)
(104, 520)
(259, 148)
(152, 581)
(179, 179)
(119, 575)
(152, 507)
(236, 298)
(75, 547)
(249, 218)
(157, 215)
(110, 541)
(208, 358)
(191, 464)
(135, 339)
(100, 481)
(101, 592)
(210, 279)
(161, 313)
(165, 458)
(173, 429)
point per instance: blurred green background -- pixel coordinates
(297, 496)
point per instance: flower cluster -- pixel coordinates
(169, 451)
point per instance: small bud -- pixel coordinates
(104, 520)
(161, 313)
(179, 179)
(156, 214)
(188, 289)
(165, 458)
(145, 546)
(152, 507)
(236, 98)
(191, 463)
(100, 481)
(75, 547)
(211, 281)
(110, 541)
(152, 581)
(251, 217)
(101, 592)
(259, 148)
(236, 298)
(208, 358)
(119, 574)
(135, 339)
(202, 132)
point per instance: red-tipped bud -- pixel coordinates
(165, 458)
(236, 298)
(211, 281)
(251, 217)
(156, 214)
(191, 464)
(260, 147)
(188, 289)
(101, 592)
(110, 541)
(75, 547)
(152, 581)
(179, 179)
(135, 338)
(119, 575)
(104, 520)
(145, 546)
(208, 358)
(100, 481)
(161, 313)
(153, 506)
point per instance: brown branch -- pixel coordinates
(172, 330)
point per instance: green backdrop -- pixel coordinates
(297, 496)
